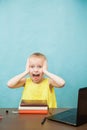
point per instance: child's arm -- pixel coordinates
(54, 80)
(19, 80)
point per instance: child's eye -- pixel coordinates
(32, 66)
(39, 66)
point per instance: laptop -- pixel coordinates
(74, 116)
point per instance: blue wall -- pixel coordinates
(57, 28)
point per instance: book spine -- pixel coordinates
(33, 108)
(28, 105)
(33, 111)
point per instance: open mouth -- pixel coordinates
(36, 75)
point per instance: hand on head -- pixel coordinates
(27, 66)
(45, 66)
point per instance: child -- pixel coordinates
(37, 86)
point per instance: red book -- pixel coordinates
(33, 111)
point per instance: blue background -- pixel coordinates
(57, 28)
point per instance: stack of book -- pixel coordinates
(33, 107)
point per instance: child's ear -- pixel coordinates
(45, 64)
(27, 64)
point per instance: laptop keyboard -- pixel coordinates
(66, 116)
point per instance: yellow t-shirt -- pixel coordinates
(41, 91)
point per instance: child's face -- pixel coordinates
(36, 69)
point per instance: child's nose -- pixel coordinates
(36, 69)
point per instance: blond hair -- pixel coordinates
(38, 54)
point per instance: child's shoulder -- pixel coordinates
(45, 79)
(28, 79)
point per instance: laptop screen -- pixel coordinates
(82, 105)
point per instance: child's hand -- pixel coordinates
(27, 66)
(45, 66)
